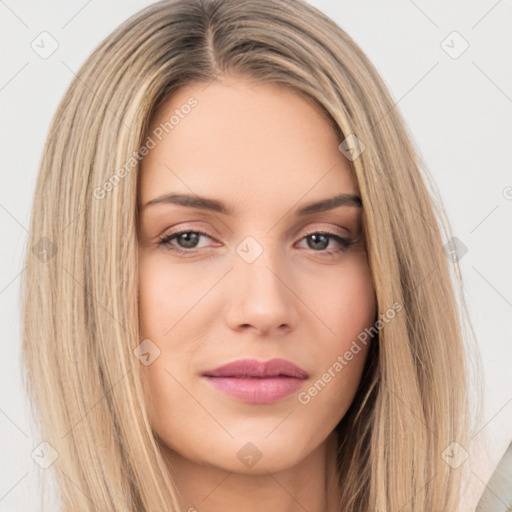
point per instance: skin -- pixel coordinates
(264, 151)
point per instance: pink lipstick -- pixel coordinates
(259, 382)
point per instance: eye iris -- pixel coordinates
(190, 239)
(315, 238)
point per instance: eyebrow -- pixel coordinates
(204, 203)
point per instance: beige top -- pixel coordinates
(497, 496)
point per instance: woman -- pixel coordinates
(240, 295)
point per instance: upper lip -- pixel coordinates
(254, 368)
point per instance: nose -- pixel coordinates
(262, 296)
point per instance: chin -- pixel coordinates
(251, 455)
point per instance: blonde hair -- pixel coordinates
(80, 310)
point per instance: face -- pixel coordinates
(233, 266)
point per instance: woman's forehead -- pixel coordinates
(244, 136)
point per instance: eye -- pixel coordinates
(317, 241)
(188, 239)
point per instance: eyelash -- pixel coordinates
(165, 242)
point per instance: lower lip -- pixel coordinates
(256, 390)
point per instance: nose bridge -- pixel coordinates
(261, 296)
(259, 264)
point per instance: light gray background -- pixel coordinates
(458, 109)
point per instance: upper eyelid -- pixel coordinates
(186, 229)
(328, 231)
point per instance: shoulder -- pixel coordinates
(497, 495)
(488, 480)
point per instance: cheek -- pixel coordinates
(346, 304)
(165, 295)
(151, 295)
(347, 308)
(166, 313)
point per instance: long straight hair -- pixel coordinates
(80, 304)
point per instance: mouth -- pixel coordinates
(253, 381)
